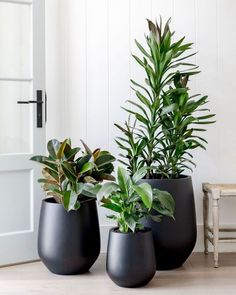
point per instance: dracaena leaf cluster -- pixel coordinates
(164, 119)
(70, 174)
(132, 201)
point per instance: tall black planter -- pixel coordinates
(68, 242)
(174, 240)
(130, 258)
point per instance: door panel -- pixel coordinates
(12, 207)
(16, 134)
(22, 73)
(15, 40)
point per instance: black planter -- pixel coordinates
(130, 258)
(174, 240)
(68, 242)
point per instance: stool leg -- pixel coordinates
(205, 220)
(215, 211)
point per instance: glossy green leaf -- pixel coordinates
(144, 190)
(46, 162)
(166, 201)
(86, 167)
(107, 189)
(87, 149)
(131, 222)
(69, 200)
(139, 174)
(90, 191)
(60, 153)
(140, 47)
(81, 161)
(124, 180)
(138, 60)
(96, 154)
(104, 160)
(112, 207)
(53, 147)
(69, 171)
(71, 153)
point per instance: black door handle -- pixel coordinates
(28, 101)
(39, 102)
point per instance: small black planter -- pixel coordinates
(68, 242)
(174, 240)
(130, 258)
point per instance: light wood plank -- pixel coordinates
(195, 277)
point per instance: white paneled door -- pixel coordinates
(22, 126)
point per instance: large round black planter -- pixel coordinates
(68, 242)
(130, 258)
(174, 240)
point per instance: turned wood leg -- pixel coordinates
(215, 211)
(205, 220)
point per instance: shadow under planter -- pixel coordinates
(130, 258)
(174, 240)
(68, 242)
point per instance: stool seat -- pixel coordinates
(211, 234)
(225, 189)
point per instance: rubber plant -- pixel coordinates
(69, 174)
(164, 119)
(132, 201)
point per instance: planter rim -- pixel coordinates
(183, 177)
(48, 201)
(146, 230)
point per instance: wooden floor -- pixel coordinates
(197, 276)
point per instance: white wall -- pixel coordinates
(89, 66)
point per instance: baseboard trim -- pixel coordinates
(199, 247)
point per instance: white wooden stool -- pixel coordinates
(215, 191)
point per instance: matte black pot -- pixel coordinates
(68, 242)
(174, 240)
(130, 258)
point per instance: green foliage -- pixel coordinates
(161, 130)
(68, 176)
(131, 201)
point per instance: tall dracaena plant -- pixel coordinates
(164, 115)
